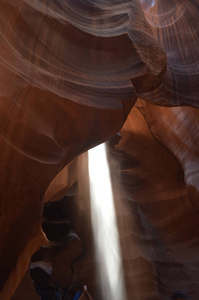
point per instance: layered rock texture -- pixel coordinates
(73, 74)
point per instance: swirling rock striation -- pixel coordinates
(70, 73)
(176, 26)
(65, 86)
(158, 180)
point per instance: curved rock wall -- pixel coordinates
(176, 26)
(70, 72)
(157, 174)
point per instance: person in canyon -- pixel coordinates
(179, 295)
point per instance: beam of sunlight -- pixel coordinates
(104, 225)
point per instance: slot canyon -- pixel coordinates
(75, 74)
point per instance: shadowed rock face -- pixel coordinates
(70, 72)
(159, 186)
(175, 25)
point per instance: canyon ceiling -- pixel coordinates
(73, 74)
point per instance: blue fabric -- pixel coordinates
(77, 295)
(58, 297)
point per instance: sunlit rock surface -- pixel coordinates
(158, 182)
(70, 72)
(175, 24)
(26, 289)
